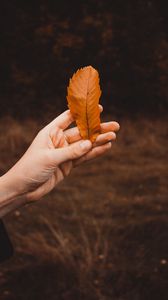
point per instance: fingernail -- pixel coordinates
(85, 144)
(118, 126)
(114, 135)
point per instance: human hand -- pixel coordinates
(52, 155)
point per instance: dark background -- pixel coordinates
(102, 234)
(44, 42)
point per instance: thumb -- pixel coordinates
(73, 151)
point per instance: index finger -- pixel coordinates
(72, 134)
(65, 119)
(62, 121)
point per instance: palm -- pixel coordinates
(50, 174)
(63, 169)
(50, 171)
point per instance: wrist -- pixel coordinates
(8, 188)
(10, 199)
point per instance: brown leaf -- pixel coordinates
(83, 98)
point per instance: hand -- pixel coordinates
(52, 155)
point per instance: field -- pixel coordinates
(102, 234)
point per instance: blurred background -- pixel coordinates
(103, 233)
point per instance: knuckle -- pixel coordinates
(54, 131)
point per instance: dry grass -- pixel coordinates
(103, 233)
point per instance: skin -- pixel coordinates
(50, 158)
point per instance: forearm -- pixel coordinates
(9, 198)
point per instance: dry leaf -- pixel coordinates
(83, 98)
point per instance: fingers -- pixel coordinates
(65, 119)
(66, 167)
(62, 121)
(71, 152)
(109, 126)
(104, 138)
(72, 135)
(101, 108)
(56, 135)
(93, 153)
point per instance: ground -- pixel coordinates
(103, 233)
